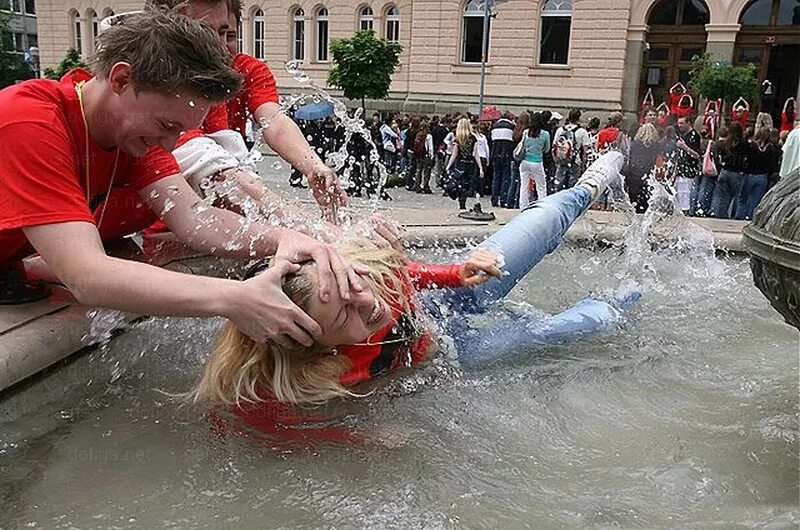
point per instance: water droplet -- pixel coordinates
(191, 104)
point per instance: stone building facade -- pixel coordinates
(599, 55)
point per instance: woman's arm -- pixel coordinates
(479, 267)
(453, 156)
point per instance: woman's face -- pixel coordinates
(349, 321)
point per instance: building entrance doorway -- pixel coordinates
(677, 34)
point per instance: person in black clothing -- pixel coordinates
(438, 133)
(408, 147)
(730, 154)
(645, 149)
(548, 161)
(763, 161)
(502, 149)
(467, 162)
(688, 155)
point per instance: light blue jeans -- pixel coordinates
(523, 242)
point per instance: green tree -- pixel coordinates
(70, 61)
(12, 65)
(364, 65)
(719, 80)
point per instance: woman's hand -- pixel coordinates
(479, 267)
(387, 232)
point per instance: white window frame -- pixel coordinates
(472, 9)
(366, 19)
(299, 34)
(94, 25)
(393, 24)
(560, 9)
(259, 42)
(77, 28)
(321, 35)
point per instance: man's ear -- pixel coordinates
(120, 77)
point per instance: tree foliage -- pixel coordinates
(12, 65)
(70, 61)
(718, 80)
(364, 65)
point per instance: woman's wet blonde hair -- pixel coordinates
(240, 371)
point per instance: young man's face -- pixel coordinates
(683, 125)
(232, 35)
(214, 15)
(146, 118)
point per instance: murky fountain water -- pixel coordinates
(686, 417)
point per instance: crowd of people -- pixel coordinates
(716, 171)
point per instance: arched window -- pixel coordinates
(679, 13)
(472, 33)
(771, 13)
(108, 12)
(258, 34)
(92, 16)
(554, 32)
(393, 24)
(75, 23)
(298, 34)
(322, 35)
(365, 18)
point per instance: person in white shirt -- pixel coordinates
(483, 152)
(791, 151)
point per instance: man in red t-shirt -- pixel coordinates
(258, 99)
(610, 134)
(65, 144)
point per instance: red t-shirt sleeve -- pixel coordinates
(259, 83)
(216, 119)
(430, 275)
(152, 167)
(39, 176)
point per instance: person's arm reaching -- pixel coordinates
(222, 232)
(285, 138)
(258, 306)
(479, 267)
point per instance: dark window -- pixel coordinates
(473, 37)
(658, 54)
(749, 55)
(684, 76)
(299, 37)
(695, 13)
(664, 13)
(30, 7)
(33, 40)
(322, 35)
(789, 13)
(688, 54)
(757, 13)
(555, 40)
(393, 24)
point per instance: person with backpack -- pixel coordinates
(423, 155)
(569, 151)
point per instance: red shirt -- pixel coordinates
(607, 137)
(43, 169)
(258, 88)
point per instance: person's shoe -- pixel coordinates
(604, 174)
(477, 214)
(298, 184)
(385, 196)
(427, 191)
